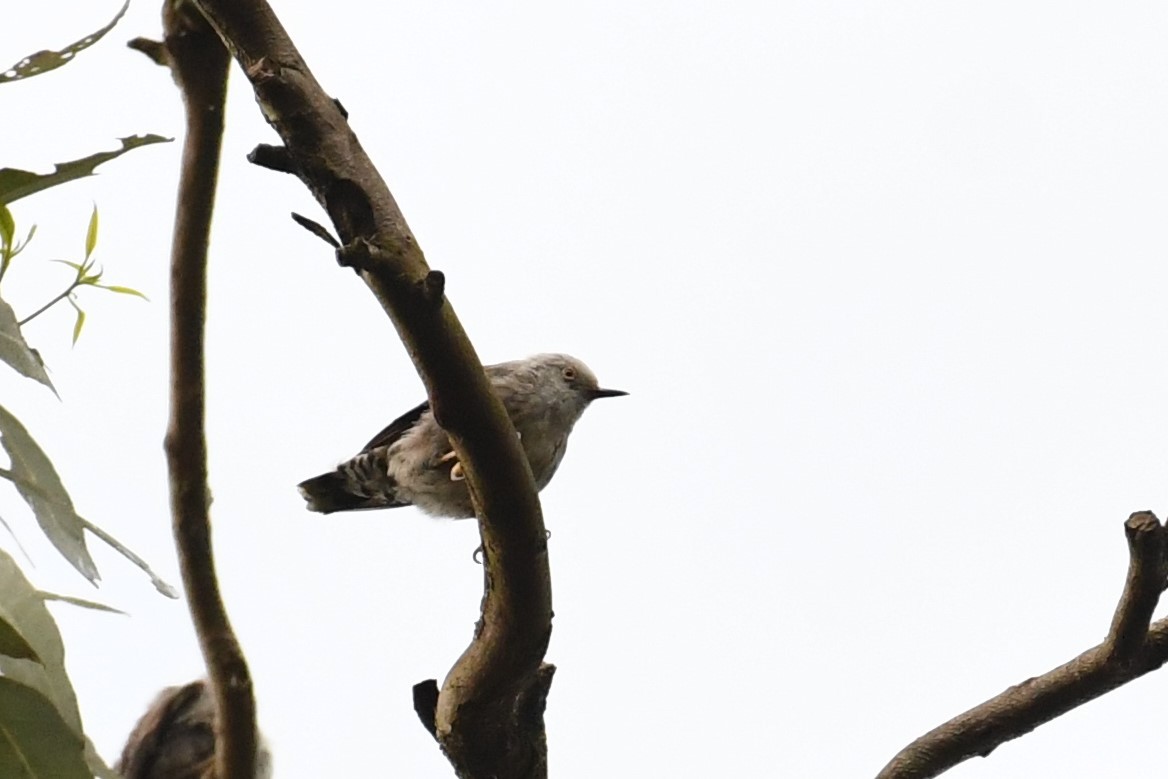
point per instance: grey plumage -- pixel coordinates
(411, 461)
(175, 738)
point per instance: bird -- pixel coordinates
(176, 738)
(411, 462)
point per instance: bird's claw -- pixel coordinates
(456, 473)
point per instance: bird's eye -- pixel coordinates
(569, 373)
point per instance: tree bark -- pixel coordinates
(1131, 649)
(198, 62)
(484, 716)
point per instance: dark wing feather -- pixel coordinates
(397, 427)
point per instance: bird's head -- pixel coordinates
(572, 381)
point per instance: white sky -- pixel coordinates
(884, 281)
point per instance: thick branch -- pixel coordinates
(1131, 650)
(475, 718)
(199, 64)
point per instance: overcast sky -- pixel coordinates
(885, 283)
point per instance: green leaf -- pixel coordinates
(15, 183)
(91, 234)
(17, 248)
(7, 227)
(81, 602)
(35, 742)
(13, 644)
(15, 351)
(121, 290)
(74, 265)
(44, 61)
(21, 606)
(96, 764)
(160, 585)
(79, 323)
(20, 246)
(41, 488)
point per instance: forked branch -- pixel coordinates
(1132, 648)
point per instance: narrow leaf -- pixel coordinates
(16, 352)
(20, 247)
(78, 324)
(96, 764)
(44, 61)
(35, 742)
(122, 290)
(21, 606)
(91, 234)
(81, 602)
(41, 488)
(15, 183)
(7, 227)
(13, 644)
(75, 266)
(159, 584)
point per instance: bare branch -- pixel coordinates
(1131, 650)
(476, 716)
(155, 50)
(1141, 592)
(199, 64)
(272, 157)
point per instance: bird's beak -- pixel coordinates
(606, 393)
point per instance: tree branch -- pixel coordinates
(198, 61)
(1131, 650)
(476, 714)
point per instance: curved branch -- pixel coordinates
(1131, 649)
(199, 62)
(476, 713)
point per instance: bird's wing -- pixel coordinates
(397, 427)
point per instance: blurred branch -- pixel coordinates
(476, 717)
(198, 61)
(1131, 649)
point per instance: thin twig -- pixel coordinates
(199, 64)
(47, 306)
(1131, 650)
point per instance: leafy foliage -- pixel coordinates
(43, 61)
(15, 351)
(41, 734)
(35, 478)
(22, 607)
(86, 277)
(36, 742)
(16, 183)
(12, 644)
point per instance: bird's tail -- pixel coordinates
(335, 491)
